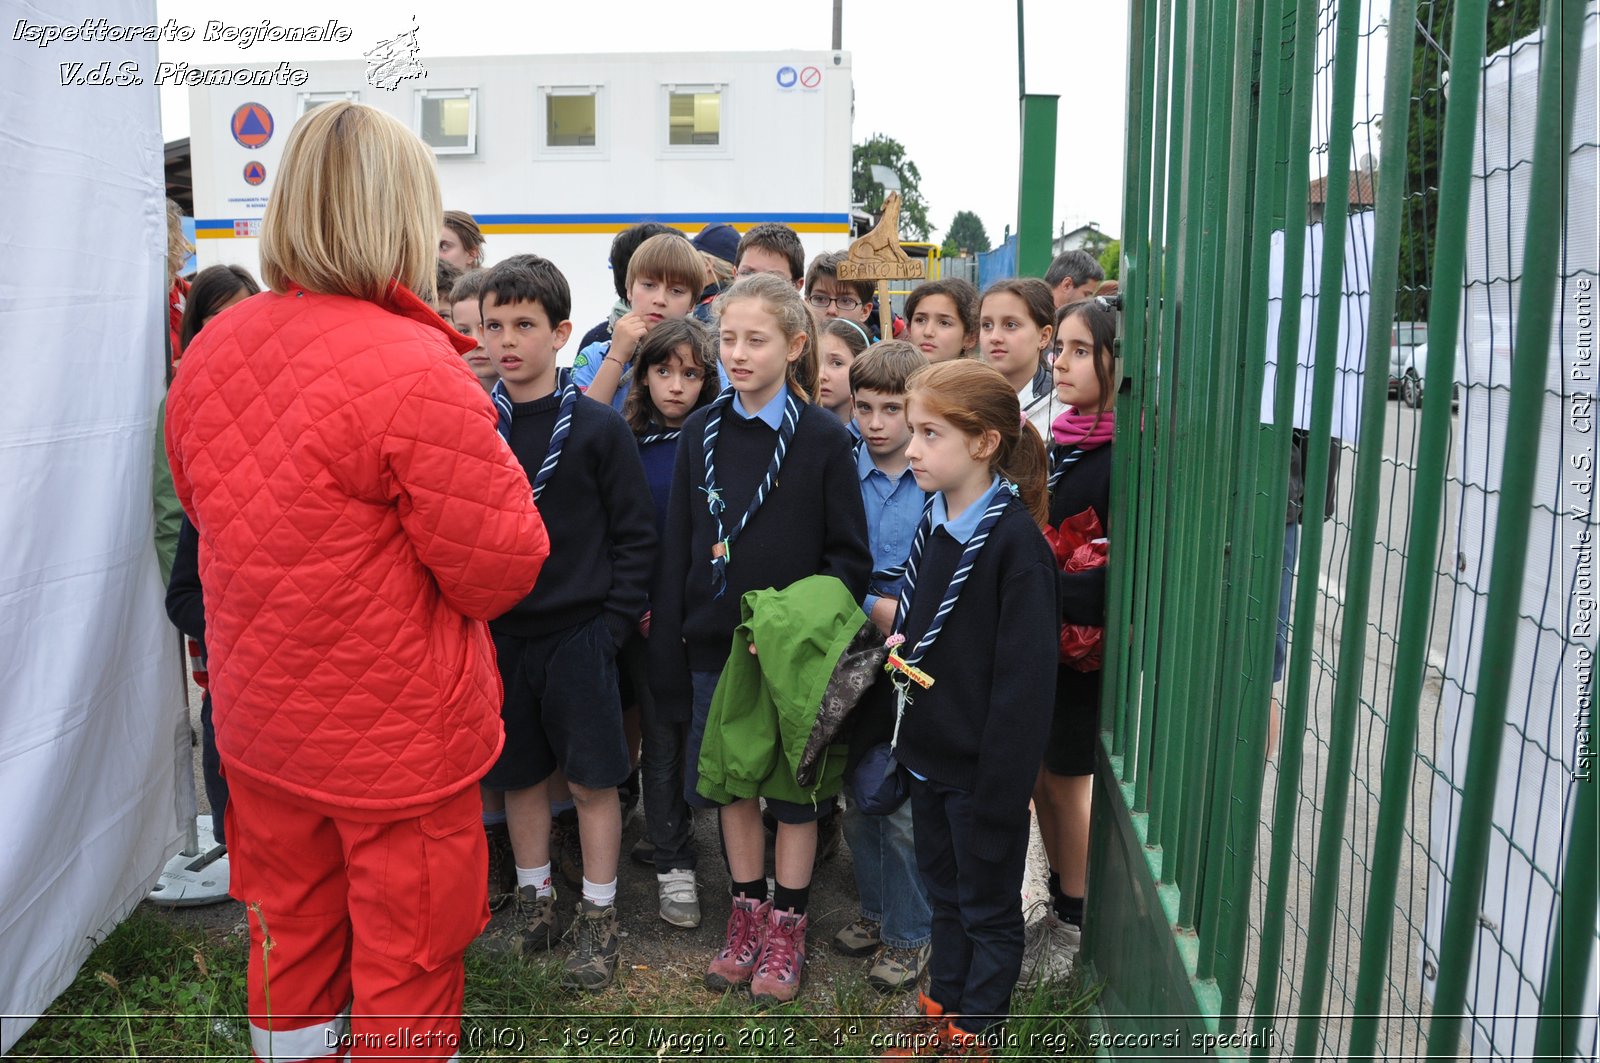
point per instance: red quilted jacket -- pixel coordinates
(360, 520)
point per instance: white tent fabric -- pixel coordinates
(93, 730)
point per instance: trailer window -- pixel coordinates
(447, 120)
(310, 101)
(694, 116)
(571, 117)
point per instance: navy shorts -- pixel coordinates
(705, 685)
(561, 709)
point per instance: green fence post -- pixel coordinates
(1558, 76)
(1292, 734)
(1467, 43)
(1563, 1002)
(1036, 184)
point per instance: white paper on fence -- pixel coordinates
(1353, 319)
(93, 727)
(1534, 782)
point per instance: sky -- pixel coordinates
(940, 76)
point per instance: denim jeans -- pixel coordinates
(668, 817)
(892, 894)
(211, 772)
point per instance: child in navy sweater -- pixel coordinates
(557, 648)
(674, 374)
(973, 667)
(764, 494)
(1080, 486)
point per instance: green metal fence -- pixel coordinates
(1413, 871)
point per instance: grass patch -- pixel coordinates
(156, 990)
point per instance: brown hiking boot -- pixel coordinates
(593, 963)
(897, 970)
(502, 867)
(539, 931)
(924, 1038)
(858, 938)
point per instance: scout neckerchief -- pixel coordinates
(659, 435)
(1063, 459)
(903, 669)
(558, 437)
(722, 547)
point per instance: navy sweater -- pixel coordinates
(597, 512)
(812, 523)
(659, 459)
(983, 724)
(185, 603)
(1085, 485)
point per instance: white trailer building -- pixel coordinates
(554, 154)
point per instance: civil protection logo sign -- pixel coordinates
(252, 125)
(787, 76)
(254, 173)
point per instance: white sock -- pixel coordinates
(538, 877)
(600, 894)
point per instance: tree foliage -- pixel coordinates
(886, 151)
(1509, 20)
(966, 235)
(1111, 259)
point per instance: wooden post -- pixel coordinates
(885, 312)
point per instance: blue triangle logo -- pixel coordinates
(252, 124)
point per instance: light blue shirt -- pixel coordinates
(894, 508)
(772, 412)
(961, 527)
(587, 365)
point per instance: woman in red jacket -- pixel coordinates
(360, 520)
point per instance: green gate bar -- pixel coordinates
(1558, 76)
(1285, 809)
(1467, 44)
(1563, 1002)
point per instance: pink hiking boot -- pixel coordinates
(783, 960)
(747, 934)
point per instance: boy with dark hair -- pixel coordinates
(896, 923)
(831, 297)
(557, 648)
(1072, 276)
(774, 248)
(444, 279)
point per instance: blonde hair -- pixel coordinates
(975, 399)
(721, 268)
(355, 209)
(779, 299)
(178, 246)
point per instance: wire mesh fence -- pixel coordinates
(1404, 852)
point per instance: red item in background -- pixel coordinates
(176, 300)
(1080, 544)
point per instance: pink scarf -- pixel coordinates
(1086, 431)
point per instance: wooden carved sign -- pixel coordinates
(878, 256)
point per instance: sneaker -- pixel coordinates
(680, 898)
(502, 867)
(924, 1038)
(598, 942)
(1050, 947)
(537, 915)
(747, 935)
(897, 970)
(858, 939)
(566, 851)
(643, 852)
(782, 963)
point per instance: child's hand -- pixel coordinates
(883, 614)
(626, 335)
(753, 652)
(644, 625)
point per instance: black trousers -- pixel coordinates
(977, 906)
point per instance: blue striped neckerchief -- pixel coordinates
(1062, 458)
(568, 392)
(1001, 498)
(656, 434)
(722, 548)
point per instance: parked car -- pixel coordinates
(1412, 370)
(1403, 340)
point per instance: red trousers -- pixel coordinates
(358, 929)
